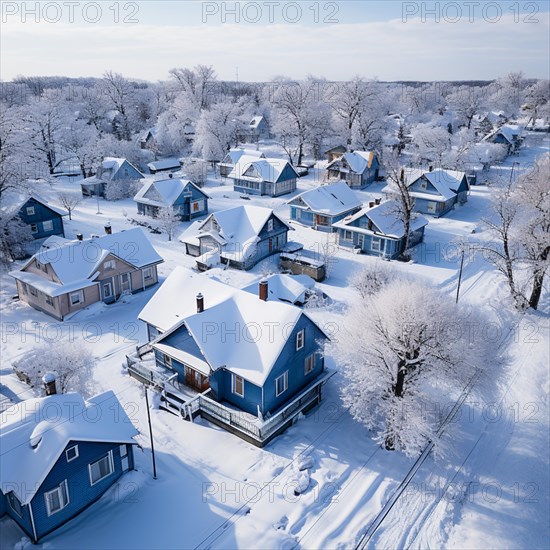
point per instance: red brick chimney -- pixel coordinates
(263, 288)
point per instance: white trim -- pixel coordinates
(284, 376)
(58, 490)
(234, 384)
(300, 339)
(74, 457)
(32, 522)
(109, 456)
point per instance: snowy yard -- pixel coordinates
(216, 491)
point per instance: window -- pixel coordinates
(30, 210)
(348, 236)
(34, 228)
(270, 225)
(281, 384)
(197, 206)
(107, 266)
(49, 300)
(376, 244)
(148, 273)
(33, 291)
(309, 363)
(71, 453)
(168, 361)
(24, 288)
(15, 504)
(47, 225)
(237, 385)
(423, 185)
(57, 498)
(75, 298)
(101, 469)
(300, 339)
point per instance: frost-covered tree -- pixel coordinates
(401, 350)
(537, 100)
(71, 362)
(80, 142)
(196, 171)
(431, 142)
(120, 95)
(372, 278)
(348, 102)
(197, 84)
(14, 235)
(466, 102)
(168, 220)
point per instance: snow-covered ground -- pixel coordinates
(214, 490)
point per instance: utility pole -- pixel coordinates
(150, 431)
(459, 277)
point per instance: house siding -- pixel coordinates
(42, 213)
(81, 493)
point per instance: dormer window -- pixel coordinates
(109, 265)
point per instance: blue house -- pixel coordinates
(322, 206)
(357, 169)
(509, 135)
(436, 191)
(377, 230)
(43, 218)
(239, 237)
(234, 156)
(60, 454)
(268, 176)
(110, 170)
(237, 351)
(182, 195)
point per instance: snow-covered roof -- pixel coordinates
(333, 199)
(263, 327)
(17, 200)
(266, 169)
(385, 217)
(145, 135)
(163, 193)
(107, 171)
(287, 288)
(446, 182)
(510, 132)
(234, 155)
(237, 229)
(358, 161)
(164, 164)
(76, 262)
(256, 121)
(34, 433)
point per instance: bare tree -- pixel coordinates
(69, 201)
(168, 220)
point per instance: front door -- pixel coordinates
(107, 291)
(125, 283)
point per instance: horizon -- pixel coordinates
(389, 41)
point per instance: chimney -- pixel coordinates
(430, 168)
(170, 175)
(263, 287)
(371, 204)
(377, 201)
(49, 383)
(108, 229)
(200, 303)
(79, 236)
(369, 224)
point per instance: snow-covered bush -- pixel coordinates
(14, 234)
(71, 362)
(372, 278)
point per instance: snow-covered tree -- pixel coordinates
(197, 84)
(372, 278)
(196, 171)
(537, 100)
(14, 235)
(120, 95)
(71, 362)
(168, 220)
(431, 142)
(466, 102)
(401, 350)
(69, 201)
(80, 142)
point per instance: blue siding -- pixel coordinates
(127, 172)
(220, 382)
(294, 362)
(41, 214)
(25, 521)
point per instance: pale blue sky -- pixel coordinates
(385, 39)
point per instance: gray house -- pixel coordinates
(239, 237)
(234, 156)
(357, 169)
(182, 195)
(267, 176)
(322, 206)
(435, 192)
(110, 170)
(377, 230)
(257, 129)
